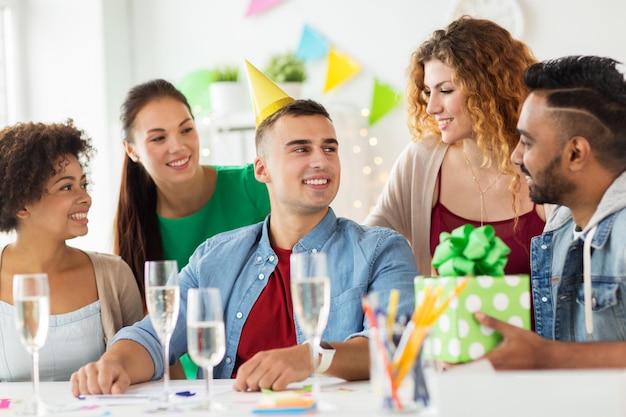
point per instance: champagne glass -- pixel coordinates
(31, 297)
(310, 291)
(163, 302)
(206, 339)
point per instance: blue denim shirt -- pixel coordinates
(557, 272)
(360, 260)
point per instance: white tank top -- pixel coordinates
(74, 339)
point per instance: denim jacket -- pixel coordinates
(360, 260)
(557, 272)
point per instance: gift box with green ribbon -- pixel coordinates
(478, 255)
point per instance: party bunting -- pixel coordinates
(312, 45)
(195, 87)
(384, 99)
(340, 69)
(259, 6)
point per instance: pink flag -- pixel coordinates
(259, 6)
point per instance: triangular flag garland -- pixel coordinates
(312, 45)
(259, 6)
(384, 99)
(340, 69)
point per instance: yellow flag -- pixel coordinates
(340, 69)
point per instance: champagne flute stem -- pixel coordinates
(35, 373)
(166, 366)
(315, 341)
(208, 376)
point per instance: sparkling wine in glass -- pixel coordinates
(31, 298)
(163, 302)
(310, 292)
(206, 339)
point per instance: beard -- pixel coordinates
(549, 186)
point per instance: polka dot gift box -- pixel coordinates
(480, 256)
(457, 336)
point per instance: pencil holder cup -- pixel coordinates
(397, 381)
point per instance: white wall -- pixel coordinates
(81, 56)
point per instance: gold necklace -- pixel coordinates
(482, 192)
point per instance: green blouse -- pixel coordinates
(239, 200)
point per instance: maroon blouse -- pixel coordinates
(518, 238)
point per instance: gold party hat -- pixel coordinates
(266, 96)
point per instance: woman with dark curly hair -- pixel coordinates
(464, 93)
(44, 199)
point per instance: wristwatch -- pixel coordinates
(326, 352)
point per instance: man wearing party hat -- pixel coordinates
(298, 160)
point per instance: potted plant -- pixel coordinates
(226, 93)
(227, 73)
(288, 71)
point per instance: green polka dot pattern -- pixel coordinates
(457, 337)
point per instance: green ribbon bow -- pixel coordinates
(470, 251)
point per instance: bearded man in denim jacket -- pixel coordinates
(573, 151)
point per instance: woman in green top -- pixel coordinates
(168, 202)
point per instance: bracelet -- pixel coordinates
(327, 352)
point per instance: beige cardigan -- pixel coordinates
(120, 301)
(407, 199)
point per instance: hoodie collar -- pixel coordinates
(612, 201)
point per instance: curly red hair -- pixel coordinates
(487, 66)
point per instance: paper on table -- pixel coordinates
(119, 399)
(136, 397)
(285, 402)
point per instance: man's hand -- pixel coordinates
(274, 369)
(102, 377)
(520, 349)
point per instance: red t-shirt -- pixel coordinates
(270, 323)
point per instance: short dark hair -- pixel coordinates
(588, 94)
(30, 155)
(294, 108)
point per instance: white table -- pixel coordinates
(471, 392)
(348, 398)
(571, 393)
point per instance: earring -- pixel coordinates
(133, 158)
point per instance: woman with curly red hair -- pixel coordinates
(464, 93)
